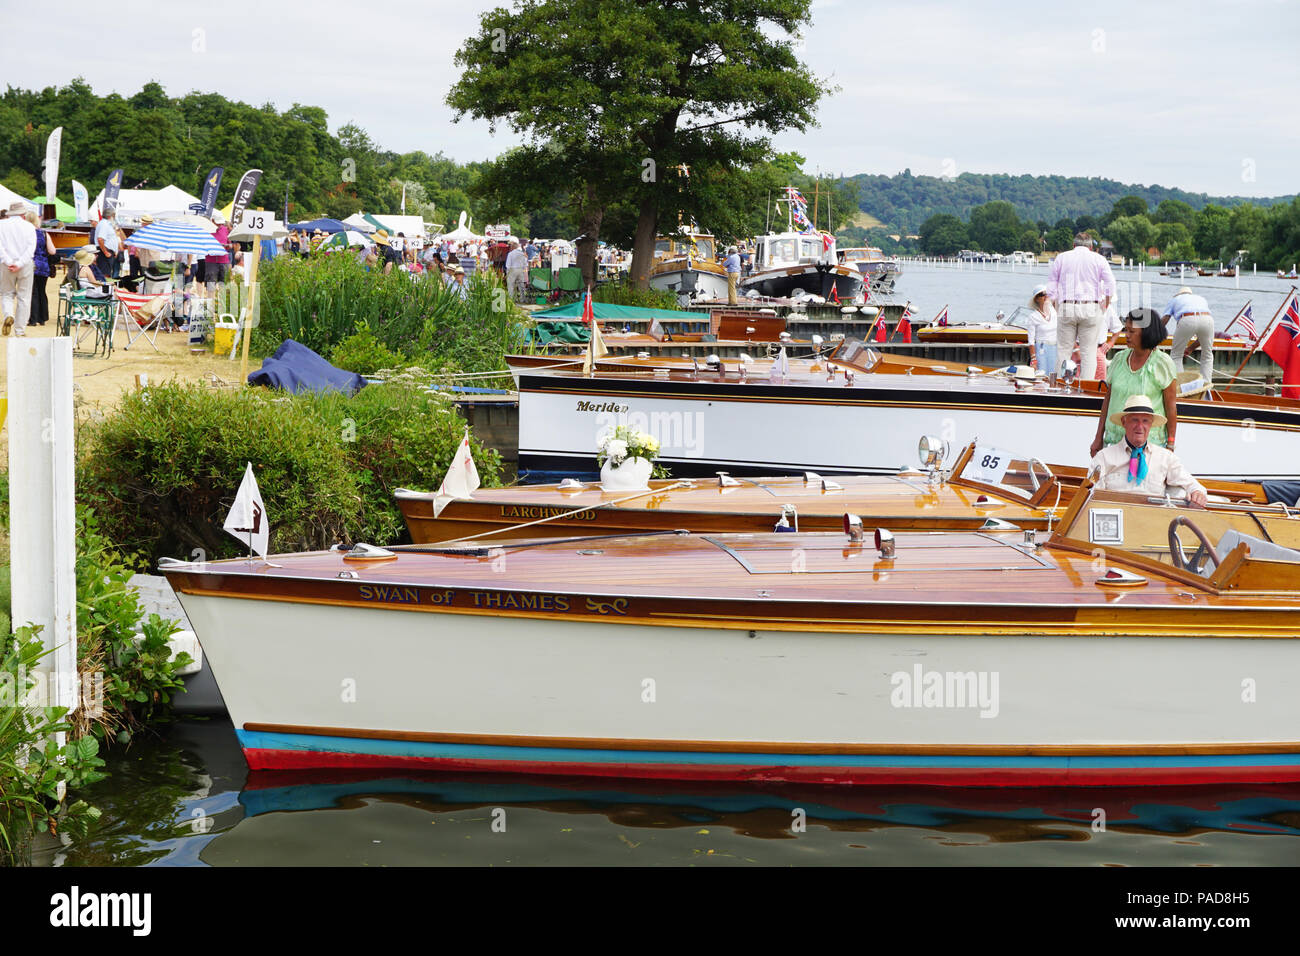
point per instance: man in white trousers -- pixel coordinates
(17, 255)
(1081, 285)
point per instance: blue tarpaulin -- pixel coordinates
(296, 368)
(324, 225)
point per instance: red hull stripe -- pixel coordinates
(300, 752)
(893, 776)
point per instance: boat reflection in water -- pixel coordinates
(188, 800)
(569, 820)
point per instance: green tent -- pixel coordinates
(374, 222)
(62, 211)
(607, 312)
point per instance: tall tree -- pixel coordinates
(624, 91)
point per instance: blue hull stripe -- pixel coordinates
(254, 740)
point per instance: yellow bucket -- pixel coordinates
(223, 339)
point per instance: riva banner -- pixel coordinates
(244, 195)
(52, 147)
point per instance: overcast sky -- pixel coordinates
(1198, 95)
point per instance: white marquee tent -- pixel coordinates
(8, 197)
(169, 202)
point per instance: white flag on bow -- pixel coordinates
(461, 480)
(247, 519)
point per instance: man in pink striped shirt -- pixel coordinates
(1081, 285)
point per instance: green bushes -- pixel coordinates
(326, 299)
(162, 471)
(365, 354)
(34, 769)
(624, 293)
(139, 673)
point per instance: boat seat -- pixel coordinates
(1260, 549)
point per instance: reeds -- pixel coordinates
(321, 300)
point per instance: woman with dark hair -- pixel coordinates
(1140, 369)
(41, 272)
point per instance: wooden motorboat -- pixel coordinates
(857, 413)
(1028, 496)
(961, 658)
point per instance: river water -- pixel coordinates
(186, 798)
(976, 292)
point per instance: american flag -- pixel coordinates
(1248, 324)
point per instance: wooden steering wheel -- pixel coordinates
(1204, 550)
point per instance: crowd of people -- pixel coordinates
(510, 257)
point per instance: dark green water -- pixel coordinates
(189, 800)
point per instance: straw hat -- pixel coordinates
(85, 255)
(381, 237)
(1138, 405)
(1038, 290)
(17, 209)
(1183, 291)
(459, 270)
(146, 219)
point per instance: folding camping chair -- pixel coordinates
(142, 314)
(82, 316)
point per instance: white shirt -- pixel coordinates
(1165, 472)
(1042, 327)
(517, 259)
(17, 241)
(107, 231)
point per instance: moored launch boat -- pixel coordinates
(957, 658)
(1028, 495)
(857, 413)
(686, 264)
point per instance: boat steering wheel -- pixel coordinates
(1204, 550)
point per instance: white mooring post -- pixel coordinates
(42, 511)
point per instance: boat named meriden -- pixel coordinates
(960, 658)
(858, 412)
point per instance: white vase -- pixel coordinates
(632, 475)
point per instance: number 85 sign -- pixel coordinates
(987, 464)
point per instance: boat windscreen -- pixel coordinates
(856, 354)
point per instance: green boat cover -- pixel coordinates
(608, 312)
(544, 333)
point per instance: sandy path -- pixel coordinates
(99, 382)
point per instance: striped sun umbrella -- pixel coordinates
(176, 237)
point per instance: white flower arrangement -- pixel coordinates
(624, 442)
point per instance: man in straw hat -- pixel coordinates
(1132, 464)
(1191, 316)
(17, 258)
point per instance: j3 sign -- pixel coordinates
(256, 223)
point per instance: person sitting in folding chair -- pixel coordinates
(90, 278)
(142, 315)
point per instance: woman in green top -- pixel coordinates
(1140, 369)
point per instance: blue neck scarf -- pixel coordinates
(1137, 464)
